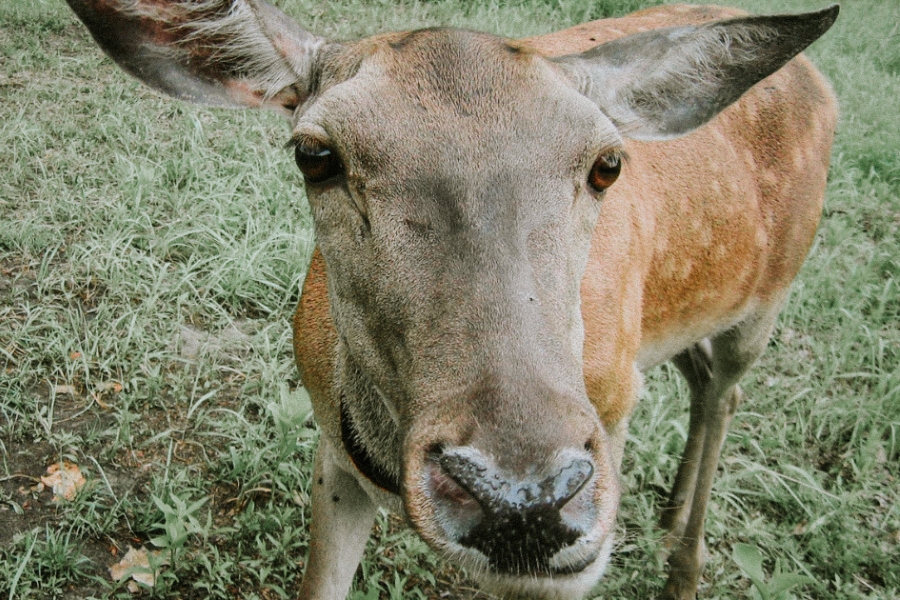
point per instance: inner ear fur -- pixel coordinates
(665, 83)
(232, 53)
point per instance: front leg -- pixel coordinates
(342, 517)
(712, 369)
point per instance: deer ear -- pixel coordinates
(664, 83)
(232, 53)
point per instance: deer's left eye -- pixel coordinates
(317, 163)
(605, 171)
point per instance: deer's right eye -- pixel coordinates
(605, 171)
(317, 163)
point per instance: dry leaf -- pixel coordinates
(65, 389)
(136, 565)
(65, 479)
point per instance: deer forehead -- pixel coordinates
(435, 97)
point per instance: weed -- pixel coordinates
(750, 560)
(180, 521)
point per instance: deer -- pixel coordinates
(509, 234)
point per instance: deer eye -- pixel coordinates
(318, 163)
(605, 171)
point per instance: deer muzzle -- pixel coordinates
(518, 522)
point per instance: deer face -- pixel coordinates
(455, 227)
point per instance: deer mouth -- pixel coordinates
(573, 568)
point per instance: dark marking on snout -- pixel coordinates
(521, 526)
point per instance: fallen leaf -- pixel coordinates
(65, 389)
(136, 565)
(65, 479)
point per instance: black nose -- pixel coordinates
(521, 525)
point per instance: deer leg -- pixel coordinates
(695, 364)
(712, 371)
(688, 554)
(342, 517)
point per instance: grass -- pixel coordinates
(150, 256)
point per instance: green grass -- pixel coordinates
(160, 247)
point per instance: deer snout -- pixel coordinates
(519, 523)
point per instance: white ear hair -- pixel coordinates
(234, 53)
(665, 83)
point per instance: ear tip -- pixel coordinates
(830, 14)
(814, 24)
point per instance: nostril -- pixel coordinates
(455, 508)
(569, 481)
(469, 471)
(446, 489)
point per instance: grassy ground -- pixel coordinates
(151, 253)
